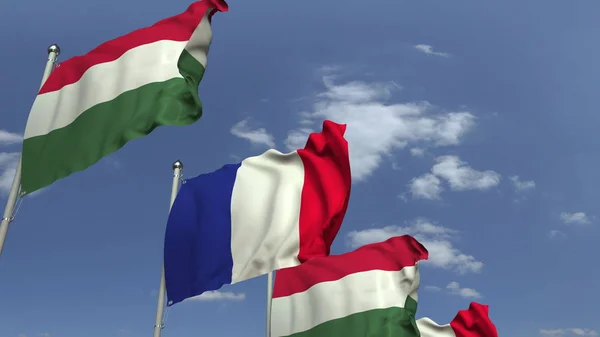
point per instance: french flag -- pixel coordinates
(266, 213)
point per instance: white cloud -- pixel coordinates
(427, 49)
(437, 240)
(432, 288)
(375, 127)
(556, 234)
(8, 167)
(520, 185)
(417, 152)
(456, 173)
(455, 289)
(8, 138)
(578, 218)
(568, 332)
(330, 69)
(462, 177)
(426, 186)
(258, 136)
(123, 332)
(8, 160)
(112, 161)
(219, 296)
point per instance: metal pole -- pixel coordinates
(269, 300)
(162, 289)
(13, 195)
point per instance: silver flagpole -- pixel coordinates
(162, 289)
(13, 195)
(269, 300)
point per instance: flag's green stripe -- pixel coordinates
(389, 322)
(106, 127)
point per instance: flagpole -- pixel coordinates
(13, 195)
(162, 289)
(269, 300)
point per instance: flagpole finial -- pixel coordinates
(177, 165)
(54, 48)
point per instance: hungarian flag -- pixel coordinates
(371, 291)
(93, 104)
(473, 322)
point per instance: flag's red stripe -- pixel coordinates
(176, 28)
(326, 189)
(474, 322)
(391, 255)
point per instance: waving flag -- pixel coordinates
(93, 104)
(371, 291)
(268, 212)
(473, 322)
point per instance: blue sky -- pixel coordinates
(438, 134)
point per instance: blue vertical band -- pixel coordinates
(197, 255)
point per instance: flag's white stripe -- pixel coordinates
(355, 293)
(153, 62)
(265, 214)
(199, 42)
(429, 328)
